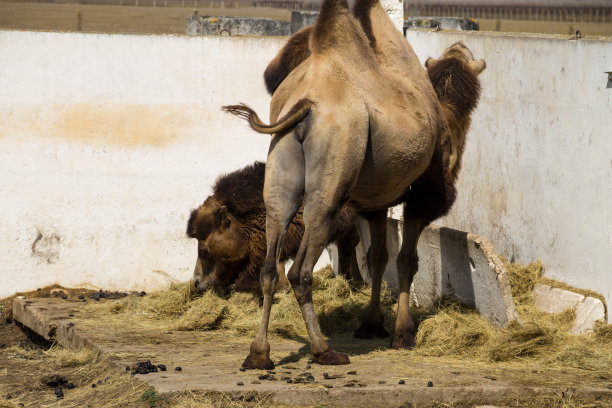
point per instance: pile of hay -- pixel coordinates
(448, 330)
(339, 308)
(454, 330)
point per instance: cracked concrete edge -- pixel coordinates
(50, 328)
(496, 264)
(424, 395)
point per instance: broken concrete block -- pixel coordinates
(555, 300)
(588, 309)
(587, 313)
(451, 263)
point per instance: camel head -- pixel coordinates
(455, 80)
(222, 249)
(459, 52)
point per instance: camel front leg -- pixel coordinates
(377, 257)
(407, 266)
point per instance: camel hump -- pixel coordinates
(334, 26)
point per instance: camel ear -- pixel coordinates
(430, 62)
(477, 66)
(221, 218)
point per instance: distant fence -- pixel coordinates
(566, 11)
(540, 10)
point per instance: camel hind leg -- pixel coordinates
(283, 190)
(334, 150)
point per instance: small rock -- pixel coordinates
(70, 386)
(382, 382)
(70, 324)
(289, 380)
(178, 369)
(240, 383)
(402, 382)
(59, 393)
(127, 368)
(429, 384)
(161, 367)
(271, 372)
(81, 297)
(99, 382)
(64, 297)
(352, 372)
(93, 385)
(143, 293)
(243, 369)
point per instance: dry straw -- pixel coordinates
(449, 329)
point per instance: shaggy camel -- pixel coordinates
(359, 124)
(231, 234)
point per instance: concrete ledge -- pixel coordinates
(555, 300)
(451, 263)
(210, 362)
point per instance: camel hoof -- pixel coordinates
(366, 331)
(331, 358)
(403, 342)
(258, 361)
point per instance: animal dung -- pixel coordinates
(59, 393)
(145, 367)
(402, 382)
(429, 384)
(178, 369)
(240, 383)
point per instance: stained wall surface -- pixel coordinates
(106, 144)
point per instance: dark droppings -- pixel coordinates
(59, 393)
(402, 382)
(429, 384)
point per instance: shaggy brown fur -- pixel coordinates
(458, 90)
(288, 58)
(241, 192)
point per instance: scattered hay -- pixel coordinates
(339, 308)
(454, 330)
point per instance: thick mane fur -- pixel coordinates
(241, 191)
(458, 89)
(455, 85)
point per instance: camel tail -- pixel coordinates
(292, 118)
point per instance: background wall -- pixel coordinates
(106, 144)
(108, 141)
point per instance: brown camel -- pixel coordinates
(231, 234)
(454, 78)
(359, 123)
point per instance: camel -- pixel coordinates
(231, 234)
(359, 123)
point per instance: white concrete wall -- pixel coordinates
(107, 142)
(537, 170)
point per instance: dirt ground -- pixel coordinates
(32, 369)
(171, 20)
